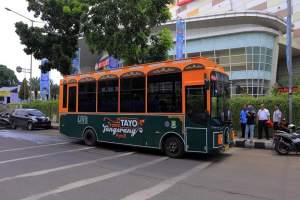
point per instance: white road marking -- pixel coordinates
(33, 147)
(163, 186)
(47, 171)
(85, 182)
(43, 155)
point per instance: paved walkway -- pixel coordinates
(257, 143)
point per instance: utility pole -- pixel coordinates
(289, 58)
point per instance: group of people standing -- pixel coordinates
(249, 118)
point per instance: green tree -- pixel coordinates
(57, 40)
(24, 90)
(34, 84)
(54, 90)
(7, 77)
(124, 28)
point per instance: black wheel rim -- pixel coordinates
(172, 147)
(89, 137)
(282, 149)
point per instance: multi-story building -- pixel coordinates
(247, 37)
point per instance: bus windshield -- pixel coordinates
(219, 98)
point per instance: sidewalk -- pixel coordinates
(55, 125)
(257, 143)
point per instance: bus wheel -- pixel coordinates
(90, 138)
(173, 147)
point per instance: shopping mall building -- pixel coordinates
(246, 37)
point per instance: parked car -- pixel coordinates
(29, 118)
(5, 118)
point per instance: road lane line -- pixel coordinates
(47, 171)
(33, 147)
(43, 155)
(164, 185)
(85, 182)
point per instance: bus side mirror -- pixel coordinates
(207, 84)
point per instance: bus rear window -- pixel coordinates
(65, 89)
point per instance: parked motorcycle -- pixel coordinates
(287, 141)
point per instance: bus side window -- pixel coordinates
(87, 96)
(196, 105)
(164, 93)
(65, 91)
(108, 95)
(132, 94)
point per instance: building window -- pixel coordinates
(108, 95)
(164, 93)
(190, 55)
(132, 94)
(87, 96)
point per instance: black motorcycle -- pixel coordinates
(287, 141)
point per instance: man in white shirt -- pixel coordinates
(277, 116)
(263, 116)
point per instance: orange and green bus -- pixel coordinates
(176, 106)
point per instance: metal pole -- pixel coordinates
(30, 68)
(185, 55)
(289, 58)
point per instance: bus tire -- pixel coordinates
(90, 138)
(173, 147)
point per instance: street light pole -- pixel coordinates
(32, 21)
(289, 58)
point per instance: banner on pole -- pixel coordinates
(180, 37)
(45, 83)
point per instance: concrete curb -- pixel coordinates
(55, 126)
(255, 145)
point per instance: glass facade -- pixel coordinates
(249, 68)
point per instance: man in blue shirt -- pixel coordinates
(243, 119)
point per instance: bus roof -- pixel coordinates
(180, 65)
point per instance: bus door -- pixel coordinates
(72, 98)
(196, 120)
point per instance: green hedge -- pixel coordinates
(236, 104)
(50, 108)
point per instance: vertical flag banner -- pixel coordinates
(45, 83)
(76, 63)
(180, 37)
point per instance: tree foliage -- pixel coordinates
(54, 90)
(123, 29)
(24, 90)
(34, 84)
(7, 77)
(57, 40)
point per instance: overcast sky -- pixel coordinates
(11, 51)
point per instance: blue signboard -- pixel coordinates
(113, 63)
(45, 83)
(76, 63)
(180, 37)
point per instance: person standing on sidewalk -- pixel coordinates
(263, 116)
(251, 116)
(243, 120)
(277, 116)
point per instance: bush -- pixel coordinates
(236, 104)
(49, 108)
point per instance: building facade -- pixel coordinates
(246, 37)
(251, 49)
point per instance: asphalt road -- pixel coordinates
(43, 165)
